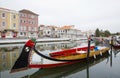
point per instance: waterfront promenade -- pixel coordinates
(16, 41)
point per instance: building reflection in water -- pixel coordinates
(8, 55)
(56, 45)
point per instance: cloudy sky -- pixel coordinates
(84, 14)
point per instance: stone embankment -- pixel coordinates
(16, 41)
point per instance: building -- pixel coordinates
(89, 33)
(8, 23)
(28, 24)
(70, 32)
(48, 31)
(40, 31)
(60, 32)
(67, 32)
(51, 31)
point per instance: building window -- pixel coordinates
(14, 16)
(29, 28)
(20, 15)
(48, 32)
(3, 15)
(32, 29)
(20, 21)
(25, 33)
(3, 23)
(24, 28)
(29, 22)
(14, 25)
(24, 21)
(21, 33)
(32, 22)
(32, 16)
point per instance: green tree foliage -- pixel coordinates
(102, 33)
(97, 33)
(107, 33)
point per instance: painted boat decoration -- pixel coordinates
(32, 58)
(23, 61)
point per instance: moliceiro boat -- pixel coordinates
(30, 57)
(64, 71)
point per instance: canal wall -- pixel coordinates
(16, 41)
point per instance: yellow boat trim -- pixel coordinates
(82, 56)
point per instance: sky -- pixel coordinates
(83, 14)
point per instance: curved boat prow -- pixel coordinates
(23, 60)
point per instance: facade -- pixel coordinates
(55, 32)
(60, 32)
(48, 31)
(69, 32)
(89, 32)
(51, 31)
(28, 24)
(24, 24)
(8, 23)
(40, 31)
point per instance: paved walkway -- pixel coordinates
(13, 41)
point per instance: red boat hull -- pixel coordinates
(51, 65)
(70, 51)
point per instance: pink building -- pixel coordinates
(28, 24)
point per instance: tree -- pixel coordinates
(97, 33)
(107, 33)
(102, 33)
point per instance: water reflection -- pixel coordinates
(111, 57)
(87, 69)
(116, 52)
(9, 54)
(57, 45)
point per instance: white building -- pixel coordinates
(48, 31)
(60, 32)
(69, 32)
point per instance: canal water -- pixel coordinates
(107, 66)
